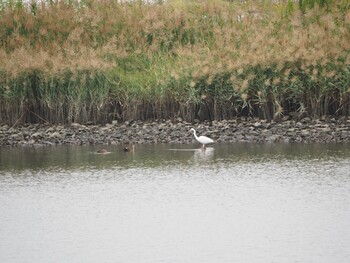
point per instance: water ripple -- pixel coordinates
(233, 203)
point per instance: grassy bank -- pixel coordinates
(67, 61)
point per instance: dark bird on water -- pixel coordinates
(129, 148)
(102, 151)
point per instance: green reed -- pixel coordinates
(68, 61)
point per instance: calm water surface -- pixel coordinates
(176, 203)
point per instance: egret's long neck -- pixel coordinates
(195, 135)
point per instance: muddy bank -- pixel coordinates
(306, 130)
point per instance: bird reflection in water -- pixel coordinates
(206, 153)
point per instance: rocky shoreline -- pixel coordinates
(306, 130)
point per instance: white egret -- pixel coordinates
(204, 140)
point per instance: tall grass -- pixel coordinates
(68, 61)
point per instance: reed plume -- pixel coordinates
(79, 61)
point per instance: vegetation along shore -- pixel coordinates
(68, 62)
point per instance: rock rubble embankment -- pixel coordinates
(306, 130)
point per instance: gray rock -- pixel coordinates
(273, 138)
(4, 128)
(56, 135)
(305, 120)
(326, 129)
(51, 129)
(17, 136)
(38, 135)
(305, 132)
(257, 125)
(76, 125)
